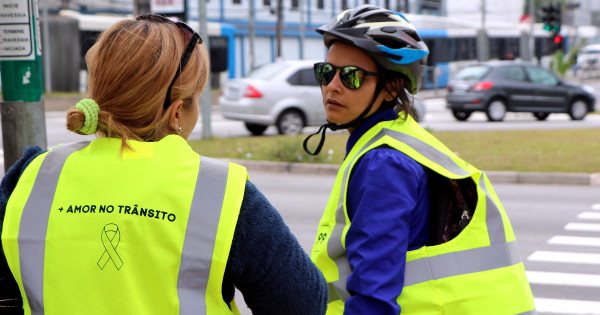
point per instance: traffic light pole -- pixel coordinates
(23, 114)
(552, 19)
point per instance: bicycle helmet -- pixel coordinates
(385, 35)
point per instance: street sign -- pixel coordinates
(16, 30)
(20, 51)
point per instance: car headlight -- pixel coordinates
(589, 89)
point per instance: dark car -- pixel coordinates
(499, 87)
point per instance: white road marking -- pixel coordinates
(563, 279)
(565, 257)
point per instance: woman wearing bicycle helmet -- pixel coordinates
(400, 231)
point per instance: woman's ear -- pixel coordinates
(175, 113)
(392, 87)
(390, 92)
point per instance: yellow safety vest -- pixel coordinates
(89, 230)
(477, 272)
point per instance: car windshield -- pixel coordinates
(267, 71)
(472, 73)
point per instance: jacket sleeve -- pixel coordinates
(268, 265)
(388, 205)
(10, 297)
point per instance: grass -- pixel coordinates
(572, 151)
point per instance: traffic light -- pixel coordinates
(551, 17)
(558, 41)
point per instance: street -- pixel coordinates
(557, 227)
(438, 118)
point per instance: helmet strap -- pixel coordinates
(334, 127)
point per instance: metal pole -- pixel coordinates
(251, 33)
(531, 30)
(205, 101)
(301, 4)
(46, 49)
(142, 7)
(279, 26)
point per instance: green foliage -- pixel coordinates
(273, 148)
(561, 63)
(534, 151)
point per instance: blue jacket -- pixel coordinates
(388, 204)
(266, 262)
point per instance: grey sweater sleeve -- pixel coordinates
(268, 265)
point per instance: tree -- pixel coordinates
(561, 63)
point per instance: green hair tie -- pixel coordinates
(90, 109)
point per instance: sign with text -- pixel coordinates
(16, 30)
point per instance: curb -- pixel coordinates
(500, 177)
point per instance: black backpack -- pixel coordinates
(452, 205)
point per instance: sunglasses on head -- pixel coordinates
(194, 39)
(351, 76)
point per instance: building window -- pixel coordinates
(237, 1)
(294, 4)
(320, 4)
(267, 3)
(366, 1)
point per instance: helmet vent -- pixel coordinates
(390, 42)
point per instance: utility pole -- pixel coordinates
(141, 7)
(251, 13)
(483, 45)
(531, 29)
(205, 101)
(301, 4)
(22, 110)
(279, 27)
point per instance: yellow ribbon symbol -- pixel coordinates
(110, 237)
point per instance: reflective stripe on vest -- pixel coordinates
(198, 245)
(34, 223)
(499, 254)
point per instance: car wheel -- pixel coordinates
(496, 110)
(256, 129)
(541, 116)
(461, 115)
(290, 122)
(578, 110)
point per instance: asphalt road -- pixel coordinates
(558, 229)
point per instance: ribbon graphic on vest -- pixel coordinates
(110, 237)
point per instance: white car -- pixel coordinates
(588, 58)
(284, 93)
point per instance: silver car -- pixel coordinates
(284, 93)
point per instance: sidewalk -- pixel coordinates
(500, 177)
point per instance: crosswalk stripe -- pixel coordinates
(596, 206)
(575, 240)
(589, 227)
(561, 306)
(565, 257)
(589, 215)
(561, 278)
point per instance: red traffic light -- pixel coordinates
(558, 39)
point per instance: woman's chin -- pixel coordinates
(334, 119)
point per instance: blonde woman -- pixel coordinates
(136, 222)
